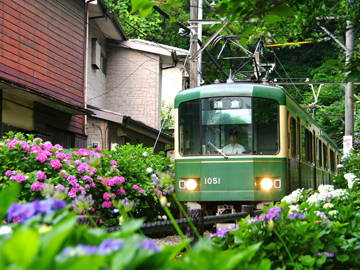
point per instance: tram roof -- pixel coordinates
(244, 89)
(233, 89)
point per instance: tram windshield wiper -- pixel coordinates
(217, 149)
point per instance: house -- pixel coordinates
(125, 92)
(42, 69)
(69, 74)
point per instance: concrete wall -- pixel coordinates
(133, 85)
(96, 78)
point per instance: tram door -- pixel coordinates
(294, 171)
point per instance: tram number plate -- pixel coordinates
(212, 181)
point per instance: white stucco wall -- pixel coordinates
(171, 83)
(96, 86)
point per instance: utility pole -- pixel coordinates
(200, 17)
(349, 89)
(193, 44)
(349, 93)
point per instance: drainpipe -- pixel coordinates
(86, 53)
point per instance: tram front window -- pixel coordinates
(229, 125)
(226, 126)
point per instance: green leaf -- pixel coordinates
(271, 246)
(85, 262)
(282, 11)
(132, 225)
(22, 247)
(307, 260)
(272, 18)
(265, 264)
(320, 261)
(52, 242)
(7, 197)
(146, 9)
(342, 257)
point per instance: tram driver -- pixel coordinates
(233, 148)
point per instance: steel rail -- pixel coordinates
(162, 226)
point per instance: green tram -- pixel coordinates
(243, 144)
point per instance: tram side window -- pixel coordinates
(325, 150)
(303, 141)
(319, 154)
(266, 126)
(332, 161)
(189, 121)
(293, 137)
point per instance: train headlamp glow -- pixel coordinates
(266, 183)
(191, 184)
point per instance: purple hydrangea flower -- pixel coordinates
(273, 213)
(8, 173)
(296, 215)
(148, 244)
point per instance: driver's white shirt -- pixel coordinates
(237, 149)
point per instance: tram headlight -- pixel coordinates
(266, 183)
(190, 184)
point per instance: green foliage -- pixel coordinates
(167, 115)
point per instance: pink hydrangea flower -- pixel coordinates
(8, 173)
(41, 157)
(21, 178)
(36, 186)
(141, 191)
(98, 149)
(60, 155)
(17, 219)
(87, 186)
(59, 187)
(135, 187)
(92, 209)
(159, 192)
(106, 196)
(41, 175)
(113, 162)
(121, 191)
(106, 204)
(92, 184)
(56, 164)
(47, 146)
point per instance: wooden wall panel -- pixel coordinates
(42, 47)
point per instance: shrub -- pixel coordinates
(319, 233)
(128, 172)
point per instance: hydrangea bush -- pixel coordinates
(321, 232)
(129, 172)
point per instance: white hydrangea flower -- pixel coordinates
(351, 179)
(339, 166)
(326, 188)
(328, 205)
(5, 230)
(294, 197)
(294, 208)
(340, 194)
(145, 154)
(149, 170)
(333, 213)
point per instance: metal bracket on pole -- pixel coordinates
(203, 47)
(334, 38)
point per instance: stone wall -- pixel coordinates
(134, 85)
